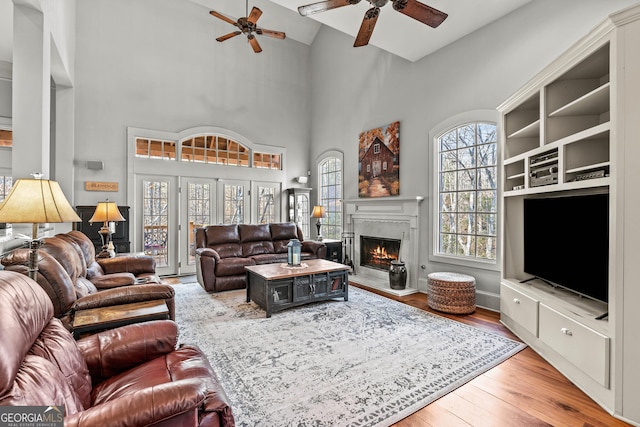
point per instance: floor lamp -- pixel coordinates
(106, 212)
(36, 201)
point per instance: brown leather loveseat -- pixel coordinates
(222, 251)
(74, 280)
(132, 375)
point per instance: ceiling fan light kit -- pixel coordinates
(411, 8)
(248, 26)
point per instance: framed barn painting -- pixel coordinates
(379, 161)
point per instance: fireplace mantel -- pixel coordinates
(387, 217)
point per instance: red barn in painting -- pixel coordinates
(378, 160)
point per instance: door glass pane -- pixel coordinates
(266, 206)
(198, 213)
(155, 220)
(233, 210)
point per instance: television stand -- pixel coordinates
(603, 316)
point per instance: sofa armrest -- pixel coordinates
(208, 252)
(110, 352)
(145, 407)
(125, 295)
(114, 280)
(134, 264)
(318, 249)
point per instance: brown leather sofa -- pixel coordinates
(222, 251)
(133, 375)
(74, 280)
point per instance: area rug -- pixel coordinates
(370, 361)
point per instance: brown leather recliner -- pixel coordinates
(75, 282)
(132, 375)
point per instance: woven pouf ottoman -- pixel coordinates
(451, 293)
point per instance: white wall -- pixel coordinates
(356, 89)
(155, 64)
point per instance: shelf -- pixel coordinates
(589, 167)
(520, 175)
(595, 102)
(531, 130)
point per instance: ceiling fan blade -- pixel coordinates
(324, 5)
(420, 12)
(228, 36)
(253, 41)
(224, 18)
(367, 26)
(276, 34)
(254, 15)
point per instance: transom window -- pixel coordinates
(155, 149)
(214, 149)
(467, 191)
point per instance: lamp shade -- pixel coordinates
(37, 201)
(318, 212)
(107, 212)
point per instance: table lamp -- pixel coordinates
(36, 201)
(318, 212)
(106, 212)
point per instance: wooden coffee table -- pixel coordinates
(275, 287)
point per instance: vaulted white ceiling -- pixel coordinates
(394, 32)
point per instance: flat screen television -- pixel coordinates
(566, 242)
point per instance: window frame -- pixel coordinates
(321, 160)
(476, 116)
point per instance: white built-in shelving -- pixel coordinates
(575, 129)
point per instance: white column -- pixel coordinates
(31, 93)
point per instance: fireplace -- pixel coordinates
(378, 252)
(394, 223)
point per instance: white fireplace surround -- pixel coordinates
(390, 218)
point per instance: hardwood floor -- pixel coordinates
(524, 390)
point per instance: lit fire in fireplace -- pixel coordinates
(380, 254)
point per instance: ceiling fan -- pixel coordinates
(247, 25)
(412, 8)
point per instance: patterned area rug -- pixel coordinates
(370, 361)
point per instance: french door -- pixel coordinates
(156, 221)
(198, 208)
(170, 208)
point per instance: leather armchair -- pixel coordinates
(64, 273)
(133, 375)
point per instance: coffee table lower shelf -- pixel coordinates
(275, 287)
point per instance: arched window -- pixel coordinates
(467, 199)
(330, 194)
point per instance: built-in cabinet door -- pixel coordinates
(197, 209)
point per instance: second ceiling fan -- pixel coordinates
(412, 8)
(248, 25)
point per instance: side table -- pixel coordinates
(97, 319)
(451, 292)
(334, 250)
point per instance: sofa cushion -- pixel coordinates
(284, 231)
(269, 258)
(228, 250)
(222, 234)
(257, 248)
(254, 233)
(57, 345)
(232, 266)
